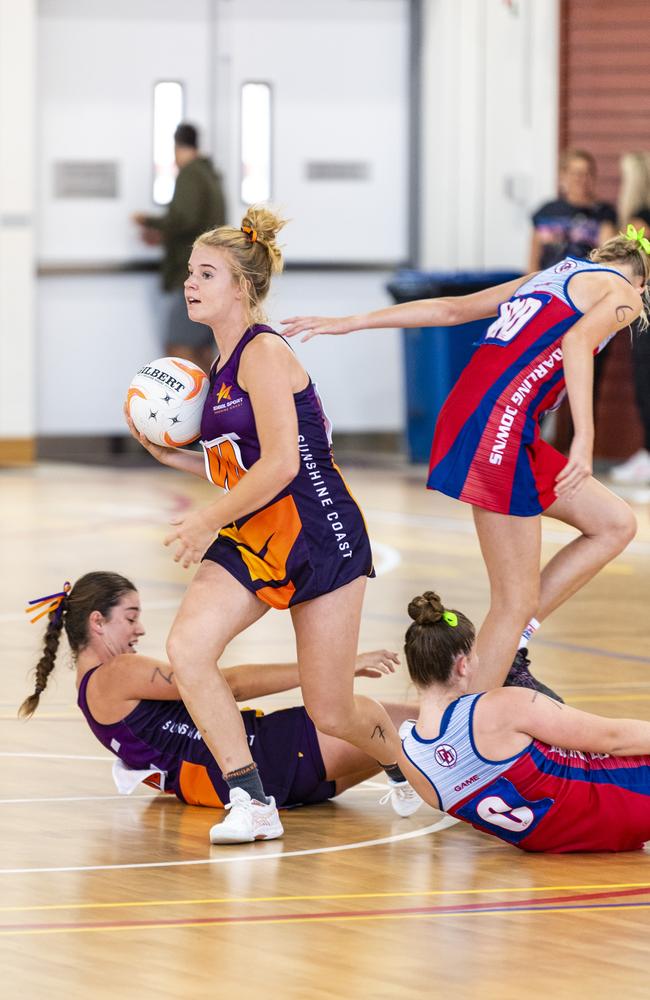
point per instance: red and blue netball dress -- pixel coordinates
(159, 740)
(311, 538)
(487, 448)
(542, 799)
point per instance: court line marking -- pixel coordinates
(80, 798)
(403, 894)
(51, 756)
(386, 558)
(581, 907)
(441, 824)
(554, 904)
(466, 527)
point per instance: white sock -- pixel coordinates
(528, 633)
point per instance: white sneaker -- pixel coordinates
(636, 471)
(247, 820)
(404, 799)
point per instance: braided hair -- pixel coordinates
(98, 591)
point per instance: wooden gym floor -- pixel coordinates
(103, 896)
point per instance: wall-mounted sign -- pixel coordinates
(85, 179)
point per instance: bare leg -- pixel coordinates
(346, 764)
(214, 610)
(327, 632)
(607, 525)
(511, 550)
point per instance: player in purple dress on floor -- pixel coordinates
(487, 449)
(286, 534)
(132, 704)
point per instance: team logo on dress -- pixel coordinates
(224, 392)
(566, 265)
(445, 755)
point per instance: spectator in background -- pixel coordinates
(197, 205)
(634, 207)
(575, 223)
(572, 226)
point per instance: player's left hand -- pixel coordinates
(376, 663)
(194, 534)
(577, 470)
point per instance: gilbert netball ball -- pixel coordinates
(165, 400)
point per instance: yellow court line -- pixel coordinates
(337, 895)
(303, 920)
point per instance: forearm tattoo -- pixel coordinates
(167, 680)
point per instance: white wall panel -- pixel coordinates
(489, 129)
(98, 62)
(96, 331)
(17, 96)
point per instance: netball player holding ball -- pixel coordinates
(286, 534)
(487, 449)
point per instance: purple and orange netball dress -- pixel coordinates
(160, 737)
(487, 448)
(311, 538)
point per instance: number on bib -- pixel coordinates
(513, 316)
(500, 809)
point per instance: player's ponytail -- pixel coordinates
(45, 665)
(253, 252)
(435, 640)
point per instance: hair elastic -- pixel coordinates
(638, 236)
(451, 618)
(250, 232)
(53, 603)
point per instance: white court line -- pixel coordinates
(79, 798)
(463, 527)
(386, 559)
(52, 756)
(442, 824)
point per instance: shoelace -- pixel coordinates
(403, 790)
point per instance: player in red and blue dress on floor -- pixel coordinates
(487, 449)
(132, 705)
(513, 762)
(286, 534)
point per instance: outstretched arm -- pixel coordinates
(129, 678)
(255, 680)
(533, 714)
(445, 311)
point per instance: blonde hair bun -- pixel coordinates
(267, 224)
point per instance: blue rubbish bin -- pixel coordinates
(435, 356)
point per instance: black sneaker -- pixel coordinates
(519, 675)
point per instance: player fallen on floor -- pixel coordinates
(513, 762)
(133, 707)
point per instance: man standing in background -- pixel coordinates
(196, 206)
